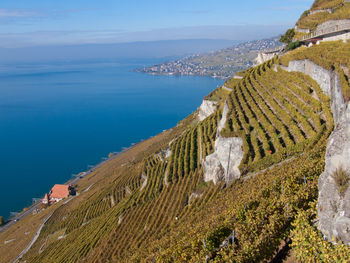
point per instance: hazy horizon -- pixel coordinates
(166, 49)
(48, 22)
(141, 49)
(47, 28)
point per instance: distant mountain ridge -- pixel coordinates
(223, 63)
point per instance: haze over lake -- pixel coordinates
(57, 118)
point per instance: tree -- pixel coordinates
(1, 220)
(288, 36)
(293, 45)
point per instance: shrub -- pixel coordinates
(288, 36)
(342, 180)
(215, 237)
(309, 246)
(293, 45)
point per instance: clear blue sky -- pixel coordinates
(32, 22)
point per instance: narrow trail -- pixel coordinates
(252, 175)
(33, 240)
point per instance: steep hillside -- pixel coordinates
(259, 173)
(332, 56)
(158, 207)
(320, 12)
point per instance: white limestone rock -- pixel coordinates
(194, 196)
(166, 177)
(334, 209)
(164, 154)
(120, 219)
(223, 120)
(228, 153)
(266, 55)
(263, 57)
(224, 162)
(207, 108)
(213, 170)
(144, 183)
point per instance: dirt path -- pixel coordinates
(33, 240)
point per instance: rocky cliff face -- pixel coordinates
(206, 109)
(333, 206)
(263, 57)
(222, 165)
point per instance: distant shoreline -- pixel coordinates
(220, 64)
(175, 74)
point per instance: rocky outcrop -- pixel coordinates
(206, 109)
(194, 196)
(120, 219)
(166, 177)
(264, 56)
(223, 120)
(144, 183)
(164, 154)
(222, 165)
(333, 207)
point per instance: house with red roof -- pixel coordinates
(57, 193)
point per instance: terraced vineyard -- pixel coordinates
(259, 210)
(329, 55)
(319, 13)
(138, 205)
(278, 114)
(154, 206)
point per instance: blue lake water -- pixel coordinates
(57, 118)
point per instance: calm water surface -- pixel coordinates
(57, 118)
